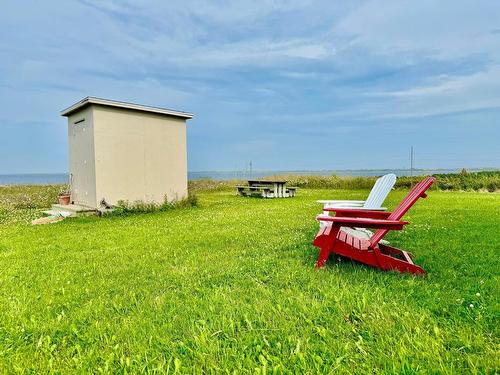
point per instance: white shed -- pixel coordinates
(124, 151)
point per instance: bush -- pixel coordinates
(138, 207)
(488, 180)
(209, 184)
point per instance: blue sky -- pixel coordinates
(287, 84)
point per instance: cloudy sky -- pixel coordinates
(287, 84)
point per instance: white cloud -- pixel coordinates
(256, 52)
(449, 95)
(444, 29)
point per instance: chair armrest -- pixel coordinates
(364, 222)
(339, 202)
(354, 207)
(356, 212)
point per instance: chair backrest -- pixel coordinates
(417, 192)
(380, 191)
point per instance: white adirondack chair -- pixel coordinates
(377, 196)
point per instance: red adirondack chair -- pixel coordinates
(332, 239)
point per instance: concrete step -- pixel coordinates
(71, 209)
(59, 213)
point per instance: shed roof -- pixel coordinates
(117, 104)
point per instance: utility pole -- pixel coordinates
(411, 161)
(250, 164)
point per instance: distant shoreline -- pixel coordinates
(62, 178)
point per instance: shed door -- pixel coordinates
(81, 164)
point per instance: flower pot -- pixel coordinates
(64, 199)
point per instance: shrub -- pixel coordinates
(464, 180)
(139, 207)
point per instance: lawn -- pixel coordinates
(229, 286)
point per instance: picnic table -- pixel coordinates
(267, 189)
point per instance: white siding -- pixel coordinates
(139, 156)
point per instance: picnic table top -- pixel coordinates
(262, 182)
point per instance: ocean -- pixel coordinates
(63, 178)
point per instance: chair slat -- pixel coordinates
(403, 207)
(380, 191)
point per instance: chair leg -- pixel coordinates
(326, 242)
(392, 258)
(323, 257)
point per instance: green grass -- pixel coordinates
(23, 203)
(229, 286)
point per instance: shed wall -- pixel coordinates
(139, 156)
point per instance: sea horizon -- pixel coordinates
(63, 178)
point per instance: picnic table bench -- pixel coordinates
(267, 189)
